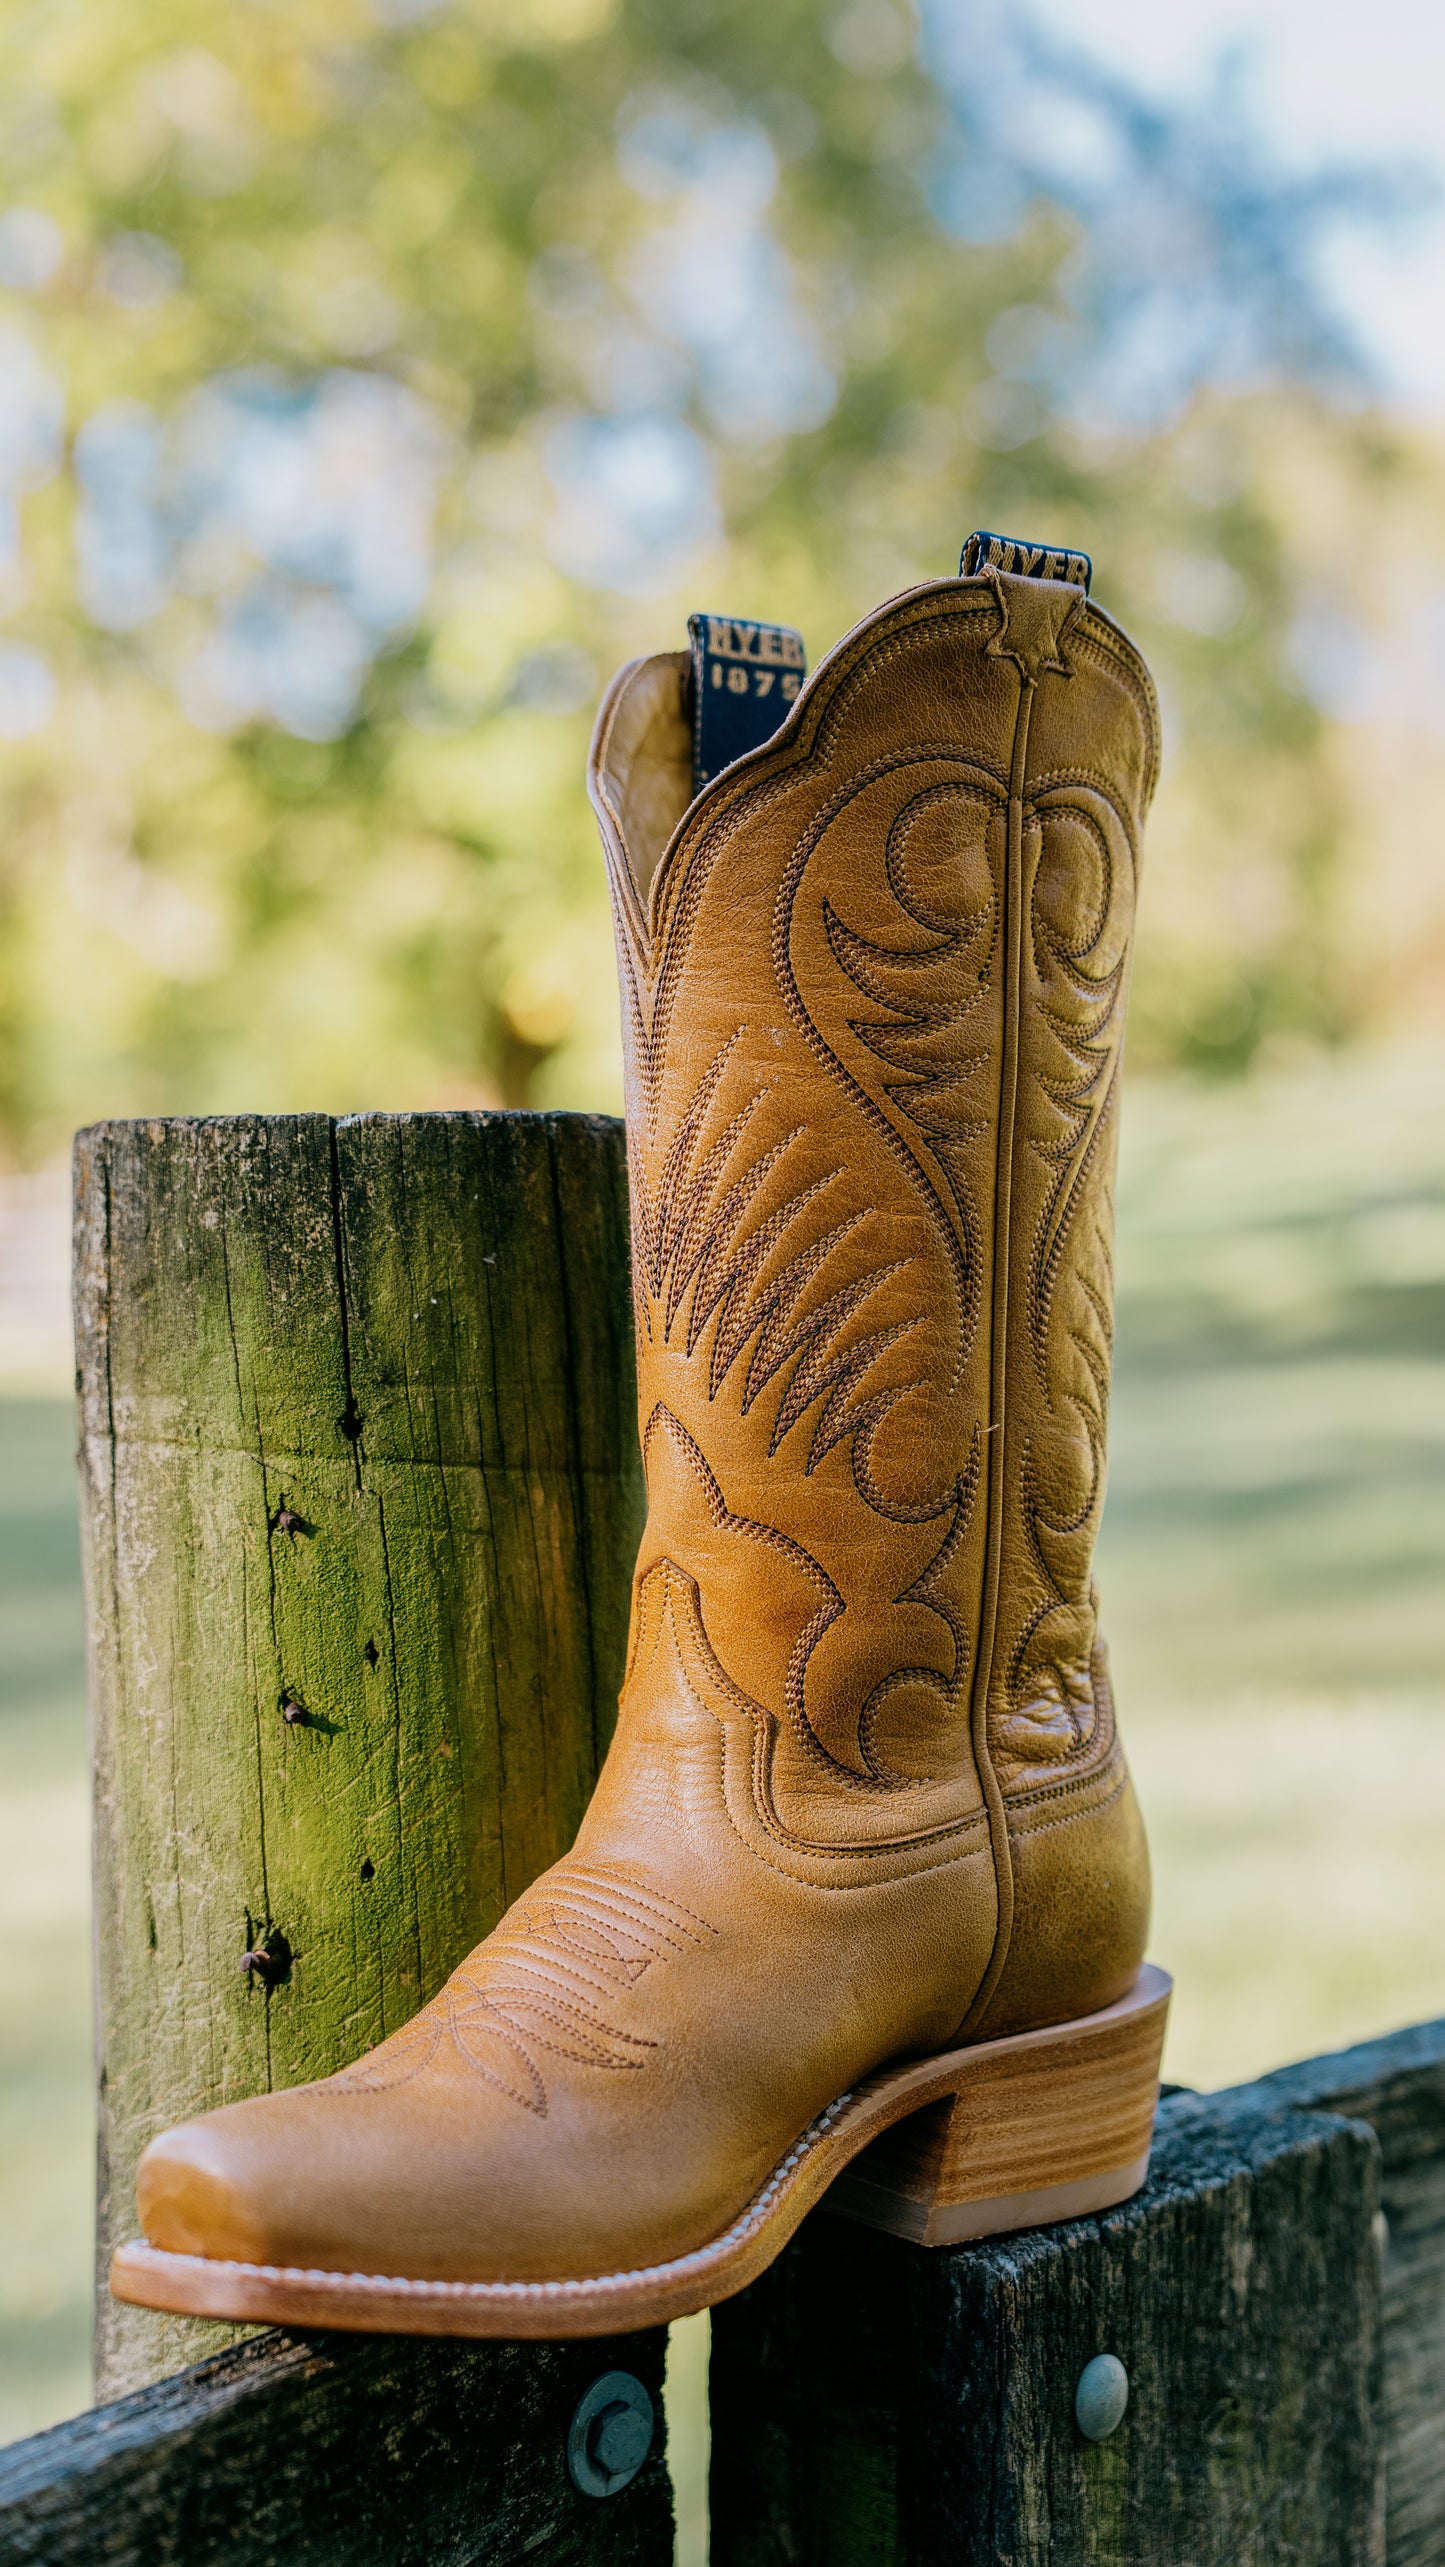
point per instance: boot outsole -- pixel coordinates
(1003, 2134)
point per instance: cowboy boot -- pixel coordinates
(862, 1892)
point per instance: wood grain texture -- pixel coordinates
(318, 2451)
(1398, 2086)
(410, 1338)
(878, 2402)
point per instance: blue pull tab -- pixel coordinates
(744, 679)
(1028, 561)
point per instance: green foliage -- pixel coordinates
(210, 914)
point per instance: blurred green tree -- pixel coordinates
(373, 379)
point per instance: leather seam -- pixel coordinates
(1073, 1817)
(1099, 640)
(1087, 1778)
(806, 1849)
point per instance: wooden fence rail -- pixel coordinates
(1276, 2295)
(340, 2451)
(361, 1499)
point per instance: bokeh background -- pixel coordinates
(374, 375)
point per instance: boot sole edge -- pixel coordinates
(1005, 2134)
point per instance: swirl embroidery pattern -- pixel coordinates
(817, 1259)
(874, 1036)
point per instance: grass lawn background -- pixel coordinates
(1272, 1578)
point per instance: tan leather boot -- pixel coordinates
(865, 1833)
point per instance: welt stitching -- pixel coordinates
(746, 2225)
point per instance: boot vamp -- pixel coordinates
(605, 2083)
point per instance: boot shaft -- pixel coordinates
(865, 1805)
(873, 1004)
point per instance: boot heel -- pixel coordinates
(1041, 2126)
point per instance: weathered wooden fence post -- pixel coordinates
(361, 1498)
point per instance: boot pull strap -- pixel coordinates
(746, 676)
(1025, 560)
(745, 680)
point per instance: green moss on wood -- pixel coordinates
(357, 1436)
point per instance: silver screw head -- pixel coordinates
(1101, 2397)
(610, 2434)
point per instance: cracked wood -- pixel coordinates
(410, 1338)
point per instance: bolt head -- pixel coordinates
(620, 2438)
(1101, 2397)
(610, 2434)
